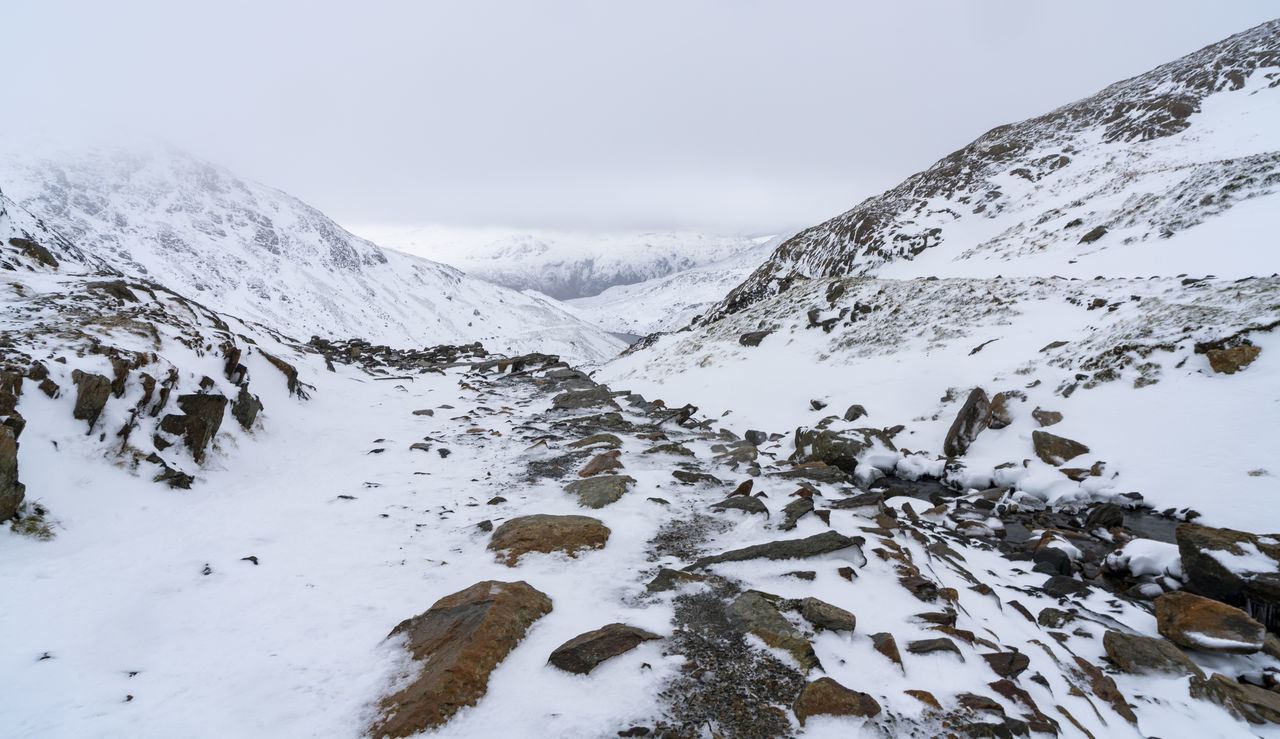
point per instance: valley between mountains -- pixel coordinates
(992, 454)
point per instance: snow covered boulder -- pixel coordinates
(457, 643)
(544, 533)
(1142, 654)
(1200, 623)
(1055, 450)
(1235, 567)
(974, 416)
(826, 697)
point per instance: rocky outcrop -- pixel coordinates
(826, 697)
(1248, 702)
(603, 462)
(92, 392)
(755, 613)
(584, 652)
(1139, 654)
(196, 425)
(1232, 360)
(544, 533)
(11, 490)
(810, 546)
(246, 408)
(457, 643)
(974, 416)
(1200, 623)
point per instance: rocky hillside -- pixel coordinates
(1136, 180)
(564, 264)
(259, 254)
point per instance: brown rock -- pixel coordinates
(924, 697)
(755, 613)
(1001, 415)
(11, 491)
(885, 644)
(1249, 702)
(1105, 688)
(826, 697)
(974, 416)
(544, 533)
(458, 641)
(1200, 623)
(1055, 450)
(1007, 664)
(199, 422)
(1046, 418)
(584, 652)
(826, 616)
(603, 462)
(1205, 575)
(92, 392)
(1140, 654)
(1231, 361)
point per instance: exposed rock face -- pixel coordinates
(1055, 450)
(810, 546)
(1139, 654)
(11, 491)
(1251, 703)
(754, 613)
(827, 697)
(199, 422)
(1200, 623)
(459, 641)
(601, 490)
(92, 392)
(1201, 546)
(1231, 361)
(245, 409)
(974, 416)
(544, 533)
(582, 653)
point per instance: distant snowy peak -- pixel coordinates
(262, 255)
(565, 264)
(1129, 170)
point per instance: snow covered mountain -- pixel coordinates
(1135, 180)
(564, 264)
(665, 304)
(260, 254)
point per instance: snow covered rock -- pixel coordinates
(1201, 623)
(583, 653)
(826, 697)
(1141, 654)
(12, 492)
(455, 645)
(546, 533)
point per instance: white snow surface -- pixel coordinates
(561, 263)
(260, 254)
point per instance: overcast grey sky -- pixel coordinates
(736, 115)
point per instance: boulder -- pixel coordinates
(1001, 414)
(199, 421)
(1007, 664)
(424, 412)
(1055, 450)
(246, 407)
(597, 397)
(753, 338)
(1203, 549)
(582, 653)
(1231, 361)
(810, 546)
(753, 612)
(597, 440)
(1140, 654)
(1200, 623)
(794, 511)
(1046, 418)
(826, 697)
(854, 412)
(826, 616)
(603, 462)
(694, 478)
(885, 644)
(544, 533)
(92, 392)
(11, 491)
(930, 646)
(1248, 702)
(974, 416)
(744, 503)
(837, 449)
(601, 490)
(457, 643)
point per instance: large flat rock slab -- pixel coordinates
(457, 642)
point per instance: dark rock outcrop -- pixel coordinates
(810, 546)
(1055, 450)
(199, 421)
(92, 392)
(11, 491)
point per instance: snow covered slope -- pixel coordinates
(563, 264)
(669, 303)
(1174, 171)
(264, 256)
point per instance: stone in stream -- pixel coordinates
(826, 697)
(545, 533)
(584, 652)
(810, 546)
(754, 612)
(1201, 623)
(1055, 450)
(974, 416)
(601, 490)
(457, 643)
(745, 503)
(1141, 654)
(603, 462)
